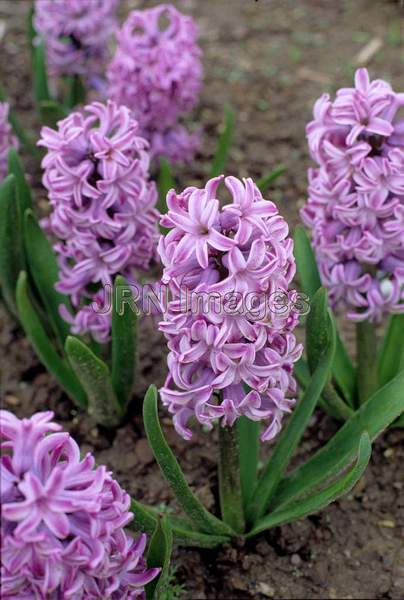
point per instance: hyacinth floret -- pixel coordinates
(103, 207)
(231, 354)
(76, 34)
(7, 139)
(156, 71)
(356, 197)
(63, 519)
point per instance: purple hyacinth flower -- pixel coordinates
(157, 73)
(76, 34)
(103, 208)
(63, 519)
(223, 266)
(356, 197)
(7, 139)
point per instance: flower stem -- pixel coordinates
(231, 501)
(366, 349)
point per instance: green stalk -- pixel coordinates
(231, 500)
(366, 351)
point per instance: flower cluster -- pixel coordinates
(156, 72)
(356, 197)
(232, 259)
(7, 139)
(76, 34)
(104, 216)
(62, 519)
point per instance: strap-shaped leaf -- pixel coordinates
(145, 519)
(202, 518)
(294, 429)
(306, 262)
(51, 112)
(224, 144)
(343, 370)
(11, 254)
(373, 416)
(265, 181)
(43, 346)
(166, 182)
(391, 357)
(124, 342)
(158, 556)
(15, 167)
(95, 378)
(41, 88)
(321, 499)
(45, 273)
(248, 435)
(76, 92)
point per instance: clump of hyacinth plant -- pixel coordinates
(157, 73)
(75, 301)
(229, 324)
(63, 519)
(355, 213)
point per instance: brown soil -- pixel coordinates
(270, 60)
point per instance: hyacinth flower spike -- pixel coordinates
(63, 519)
(157, 72)
(354, 212)
(231, 368)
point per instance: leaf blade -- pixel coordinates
(265, 181)
(95, 378)
(224, 144)
(44, 271)
(124, 344)
(158, 556)
(11, 253)
(203, 520)
(321, 499)
(373, 417)
(392, 351)
(43, 347)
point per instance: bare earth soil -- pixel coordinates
(269, 59)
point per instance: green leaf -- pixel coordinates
(265, 181)
(248, 435)
(45, 273)
(373, 416)
(11, 254)
(317, 328)
(15, 167)
(76, 92)
(50, 112)
(321, 499)
(31, 33)
(391, 355)
(159, 555)
(171, 470)
(187, 537)
(306, 262)
(41, 88)
(166, 182)
(124, 343)
(224, 144)
(145, 519)
(294, 429)
(343, 370)
(95, 378)
(43, 346)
